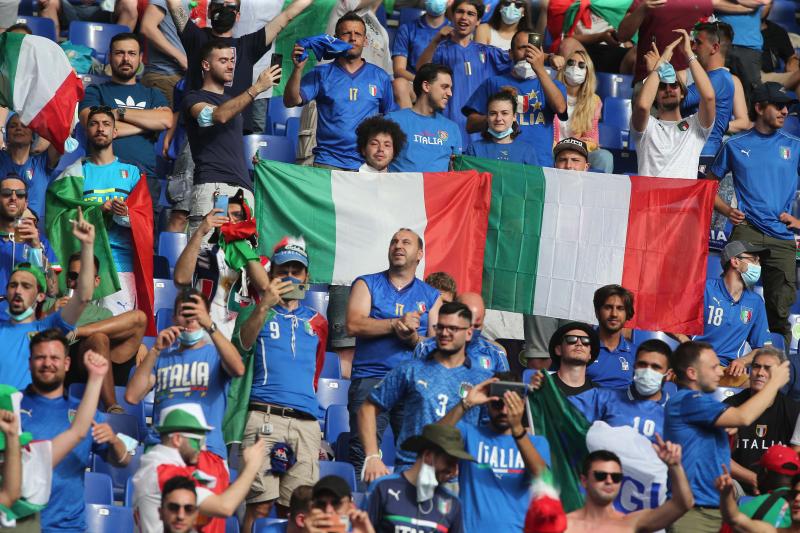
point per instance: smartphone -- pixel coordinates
(535, 39)
(298, 292)
(277, 59)
(499, 388)
(221, 202)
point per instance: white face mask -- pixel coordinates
(647, 381)
(575, 75)
(510, 14)
(426, 482)
(524, 70)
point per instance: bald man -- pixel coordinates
(480, 350)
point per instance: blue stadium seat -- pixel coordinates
(163, 319)
(28, 8)
(337, 421)
(134, 410)
(388, 447)
(640, 335)
(119, 476)
(317, 300)
(164, 293)
(269, 525)
(108, 518)
(93, 79)
(97, 488)
(339, 468)
(610, 137)
(617, 112)
(171, 245)
(341, 449)
(129, 491)
(332, 392)
(614, 85)
(95, 35)
(330, 368)
(125, 423)
(358, 499)
(293, 128)
(792, 125)
(778, 342)
(785, 14)
(278, 114)
(41, 26)
(725, 392)
(232, 524)
(410, 14)
(274, 147)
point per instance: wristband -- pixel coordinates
(250, 94)
(689, 61)
(522, 434)
(465, 404)
(366, 459)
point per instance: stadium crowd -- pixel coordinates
(247, 399)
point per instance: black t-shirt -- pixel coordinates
(248, 49)
(567, 390)
(774, 426)
(218, 150)
(777, 45)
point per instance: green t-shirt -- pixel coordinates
(779, 513)
(93, 312)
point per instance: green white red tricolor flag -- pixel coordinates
(531, 239)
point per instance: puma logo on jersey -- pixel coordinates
(422, 382)
(394, 494)
(745, 152)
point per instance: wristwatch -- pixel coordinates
(211, 329)
(121, 113)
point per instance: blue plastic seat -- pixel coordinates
(614, 85)
(171, 245)
(293, 128)
(28, 8)
(341, 449)
(97, 488)
(269, 525)
(339, 468)
(332, 392)
(610, 136)
(232, 524)
(108, 519)
(617, 112)
(273, 147)
(410, 14)
(318, 301)
(129, 492)
(163, 319)
(164, 292)
(41, 26)
(134, 410)
(278, 115)
(337, 421)
(778, 342)
(388, 447)
(785, 14)
(95, 35)
(119, 475)
(640, 335)
(330, 368)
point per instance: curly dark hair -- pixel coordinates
(372, 126)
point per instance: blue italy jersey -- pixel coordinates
(375, 356)
(517, 151)
(412, 39)
(15, 340)
(689, 418)
(623, 407)
(36, 175)
(496, 488)
(535, 119)
(482, 352)
(728, 325)
(194, 376)
(430, 141)
(722, 81)
(471, 65)
(392, 507)
(46, 418)
(344, 100)
(288, 356)
(429, 390)
(765, 169)
(613, 370)
(107, 182)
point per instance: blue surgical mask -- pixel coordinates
(510, 14)
(435, 7)
(23, 315)
(190, 338)
(500, 134)
(751, 275)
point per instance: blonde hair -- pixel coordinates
(581, 118)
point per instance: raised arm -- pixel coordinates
(233, 107)
(740, 120)
(747, 413)
(179, 15)
(427, 54)
(276, 25)
(225, 504)
(291, 93)
(248, 334)
(708, 108)
(555, 98)
(631, 21)
(730, 511)
(681, 500)
(184, 267)
(149, 27)
(476, 396)
(84, 232)
(647, 95)
(143, 379)
(12, 463)
(228, 354)
(515, 407)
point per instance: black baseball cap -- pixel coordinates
(736, 248)
(773, 93)
(332, 484)
(571, 143)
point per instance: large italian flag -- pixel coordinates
(533, 240)
(37, 81)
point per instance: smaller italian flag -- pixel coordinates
(37, 81)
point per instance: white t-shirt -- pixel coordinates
(495, 39)
(671, 149)
(376, 49)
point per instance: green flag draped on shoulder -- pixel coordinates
(565, 429)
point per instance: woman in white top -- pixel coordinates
(509, 17)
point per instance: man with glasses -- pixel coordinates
(430, 388)
(698, 422)
(178, 510)
(332, 507)
(765, 162)
(734, 314)
(601, 477)
(669, 145)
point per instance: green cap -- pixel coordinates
(35, 271)
(448, 438)
(10, 400)
(186, 417)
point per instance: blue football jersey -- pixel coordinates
(392, 507)
(623, 407)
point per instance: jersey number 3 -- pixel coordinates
(442, 409)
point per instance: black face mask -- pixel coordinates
(223, 19)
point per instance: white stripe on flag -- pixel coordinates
(584, 227)
(42, 68)
(370, 208)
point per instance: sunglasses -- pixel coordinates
(616, 477)
(72, 276)
(572, 63)
(188, 508)
(574, 339)
(6, 192)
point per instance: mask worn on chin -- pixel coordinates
(426, 482)
(190, 338)
(524, 70)
(500, 134)
(223, 19)
(435, 7)
(647, 381)
(751, 275)
(575, 75)
(23, 315)
(510, 14)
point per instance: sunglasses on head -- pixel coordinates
(188, 508)
(574, 339)
(6, 192)
(616, 477)
(573, 62)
